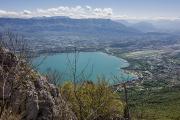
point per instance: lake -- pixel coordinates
(90, 65)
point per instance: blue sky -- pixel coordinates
(128, 8)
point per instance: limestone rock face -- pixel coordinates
(30, 94)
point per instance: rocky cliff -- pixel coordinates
(29, 94)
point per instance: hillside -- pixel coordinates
(27, 95)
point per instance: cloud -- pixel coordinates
(27, 12)
(74, 12)
(2, 12)
(8, 13)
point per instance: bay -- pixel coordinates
(89, 66)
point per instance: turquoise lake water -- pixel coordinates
(92, 64)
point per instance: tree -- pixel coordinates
(121, 82)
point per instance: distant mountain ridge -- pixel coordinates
(159, 25)
(144, 27)
(57, 33)
(66, 25)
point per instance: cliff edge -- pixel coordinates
(27, 93)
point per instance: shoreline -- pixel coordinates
(123, 67)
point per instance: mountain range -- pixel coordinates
(59, 31)
(62, 26)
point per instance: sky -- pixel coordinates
(115, 9)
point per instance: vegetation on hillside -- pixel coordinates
(94, 101)
(154, 104)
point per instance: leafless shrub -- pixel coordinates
(54, 77)
(121, 83)
(15, 64)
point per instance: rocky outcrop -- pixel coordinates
(28, 93)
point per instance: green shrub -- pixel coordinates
(93, 101)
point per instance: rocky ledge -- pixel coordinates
(28, 93)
